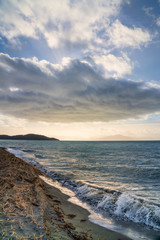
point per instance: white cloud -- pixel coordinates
(13, 24)
(58, 21)
(114, 66)
(122, 36)
(149, 12)
(13, 89)
(158, 21)
(154, 84)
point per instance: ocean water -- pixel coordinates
(118, 182)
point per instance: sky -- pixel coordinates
(80, 69)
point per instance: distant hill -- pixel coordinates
(27, 137)
(119, 138)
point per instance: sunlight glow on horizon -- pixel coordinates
(90, 131)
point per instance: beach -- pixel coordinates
(32, 209)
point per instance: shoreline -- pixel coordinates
(32, 209)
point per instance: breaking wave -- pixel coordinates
(105, 201)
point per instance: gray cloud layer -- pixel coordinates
(39, 90)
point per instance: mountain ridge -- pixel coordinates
(29, 136)
(120, 137)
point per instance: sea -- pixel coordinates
(118, 182)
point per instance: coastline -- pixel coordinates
(32, 209)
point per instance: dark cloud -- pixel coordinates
(75, 92)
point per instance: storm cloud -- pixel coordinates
(71, 92)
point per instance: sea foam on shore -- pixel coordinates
(107, 202)
(31, 208)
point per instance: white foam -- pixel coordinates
(121, 205)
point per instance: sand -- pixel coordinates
(32, 209)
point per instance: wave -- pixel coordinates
(105, 201)
(121, 205)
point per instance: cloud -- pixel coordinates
(59, 21)
(122, 36)
(149, 12)
(158, 21)
(75, 92)
(115, 66)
